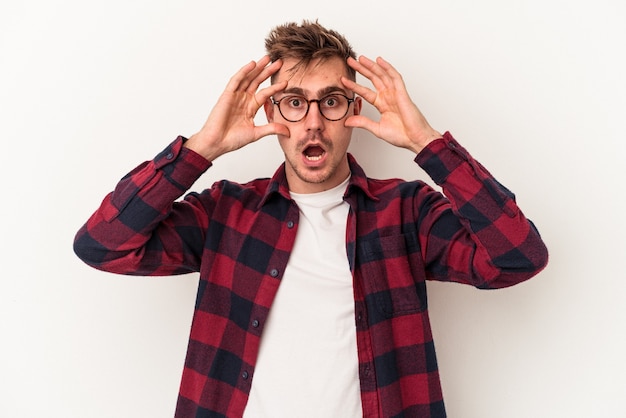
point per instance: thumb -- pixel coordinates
(360, 121)
(272, 129)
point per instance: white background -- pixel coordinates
(534, 89)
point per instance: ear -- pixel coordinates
(268, 107)
(358, 105)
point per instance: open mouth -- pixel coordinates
(314, 153)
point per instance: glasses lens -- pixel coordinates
(293, 108)
(333, 107)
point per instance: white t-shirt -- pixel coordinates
(308, 362)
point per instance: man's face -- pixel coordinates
(315, 152)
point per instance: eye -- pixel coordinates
(331, 101)
(295, 102)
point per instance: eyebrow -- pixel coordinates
(320, 93)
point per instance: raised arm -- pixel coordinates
(230, 125)
(477, 234)
(140, 228)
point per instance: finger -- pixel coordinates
(235, 81)
(386, 65)
(271, 129)
(364, 92)
(250, 82)
(391, 71)
(262, 95)
(360, 121)
(381, 76)
(360, 68)
(258, 77)
(242, 78)
(383, 72)
(372, 71)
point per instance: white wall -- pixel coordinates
(535, 89)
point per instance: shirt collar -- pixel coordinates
(278, 183)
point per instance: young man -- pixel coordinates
(312, 297)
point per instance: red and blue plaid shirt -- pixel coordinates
(239, 237)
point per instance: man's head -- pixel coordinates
(307, 42)
(314, 105)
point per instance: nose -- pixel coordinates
(314, 121)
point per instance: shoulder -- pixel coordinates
(385, 189)
(227, 193)
(254, 189)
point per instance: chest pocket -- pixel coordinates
(393, 275)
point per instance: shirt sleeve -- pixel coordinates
(477, 234)
(140, 228)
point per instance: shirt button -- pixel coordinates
(290, 224)
(245, 375)
(274, 273)
(169, 155)
(255, 323)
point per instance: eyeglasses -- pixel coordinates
(295, 108)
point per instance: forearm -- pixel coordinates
(208, 150)
(134, 230)
(497, 242)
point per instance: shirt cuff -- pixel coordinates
(181, 165)
(441, 157)
(445, 156)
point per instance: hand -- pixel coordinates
(230, 124)
(401, 122)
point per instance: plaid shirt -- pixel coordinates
(239, 237)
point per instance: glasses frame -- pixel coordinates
(308, 106)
